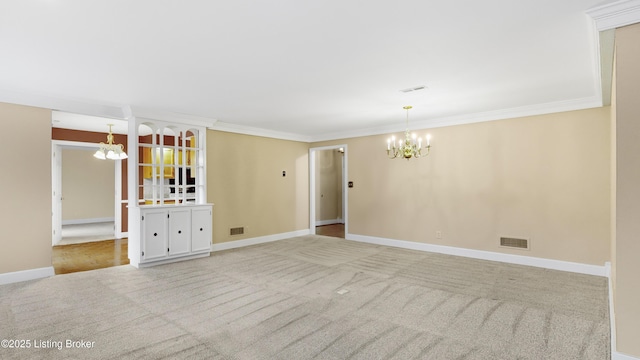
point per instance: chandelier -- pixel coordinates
(409, 147)
(110, 150)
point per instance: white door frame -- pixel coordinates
(56, 187)
(312, 187)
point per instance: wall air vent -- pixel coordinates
(514, 243)
(236, 231)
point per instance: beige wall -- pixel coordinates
(627, 187)
(545, 178)
(245, 182)
(26, 180)
(88, 186)
(328, 185)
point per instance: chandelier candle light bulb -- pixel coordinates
(410, 147)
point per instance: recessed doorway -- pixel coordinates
(328, 196)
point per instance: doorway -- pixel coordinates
(88, 190)
(328, 195)
(85, 209)
(94, 190)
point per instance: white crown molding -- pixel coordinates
(532, 110)
(121, 112)
(615, 14)
(601, 52)
(171, 117)
(65, 105)
(127, 112)
(249, 130)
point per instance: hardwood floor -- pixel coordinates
(102, 254)
(333, 230)
(89, 256)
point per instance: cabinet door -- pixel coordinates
(179, 231)
(201, 229)
(154, 234)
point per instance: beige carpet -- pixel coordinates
(283, 300)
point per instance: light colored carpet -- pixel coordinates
(280, 301)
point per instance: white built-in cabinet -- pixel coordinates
(173, 232)
(169, 219)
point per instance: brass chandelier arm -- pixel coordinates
(408, 153)
(410, 146)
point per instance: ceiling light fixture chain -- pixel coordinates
(110, 150)
(410, 146)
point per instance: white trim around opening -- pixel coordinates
(312, 186)
(56, 187)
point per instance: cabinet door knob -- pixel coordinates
(179, 231)
(155, 234)
(200, 229)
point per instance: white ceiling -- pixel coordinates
(312, 69)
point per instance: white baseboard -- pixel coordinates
(25, 275)
(619, 356)
(87, 221)
(612, 313)
(139, 265)
(615, 355)
(258, 240)
(485, 255)
(329, 222)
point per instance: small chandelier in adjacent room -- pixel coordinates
(110, 150)
(410, 146)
